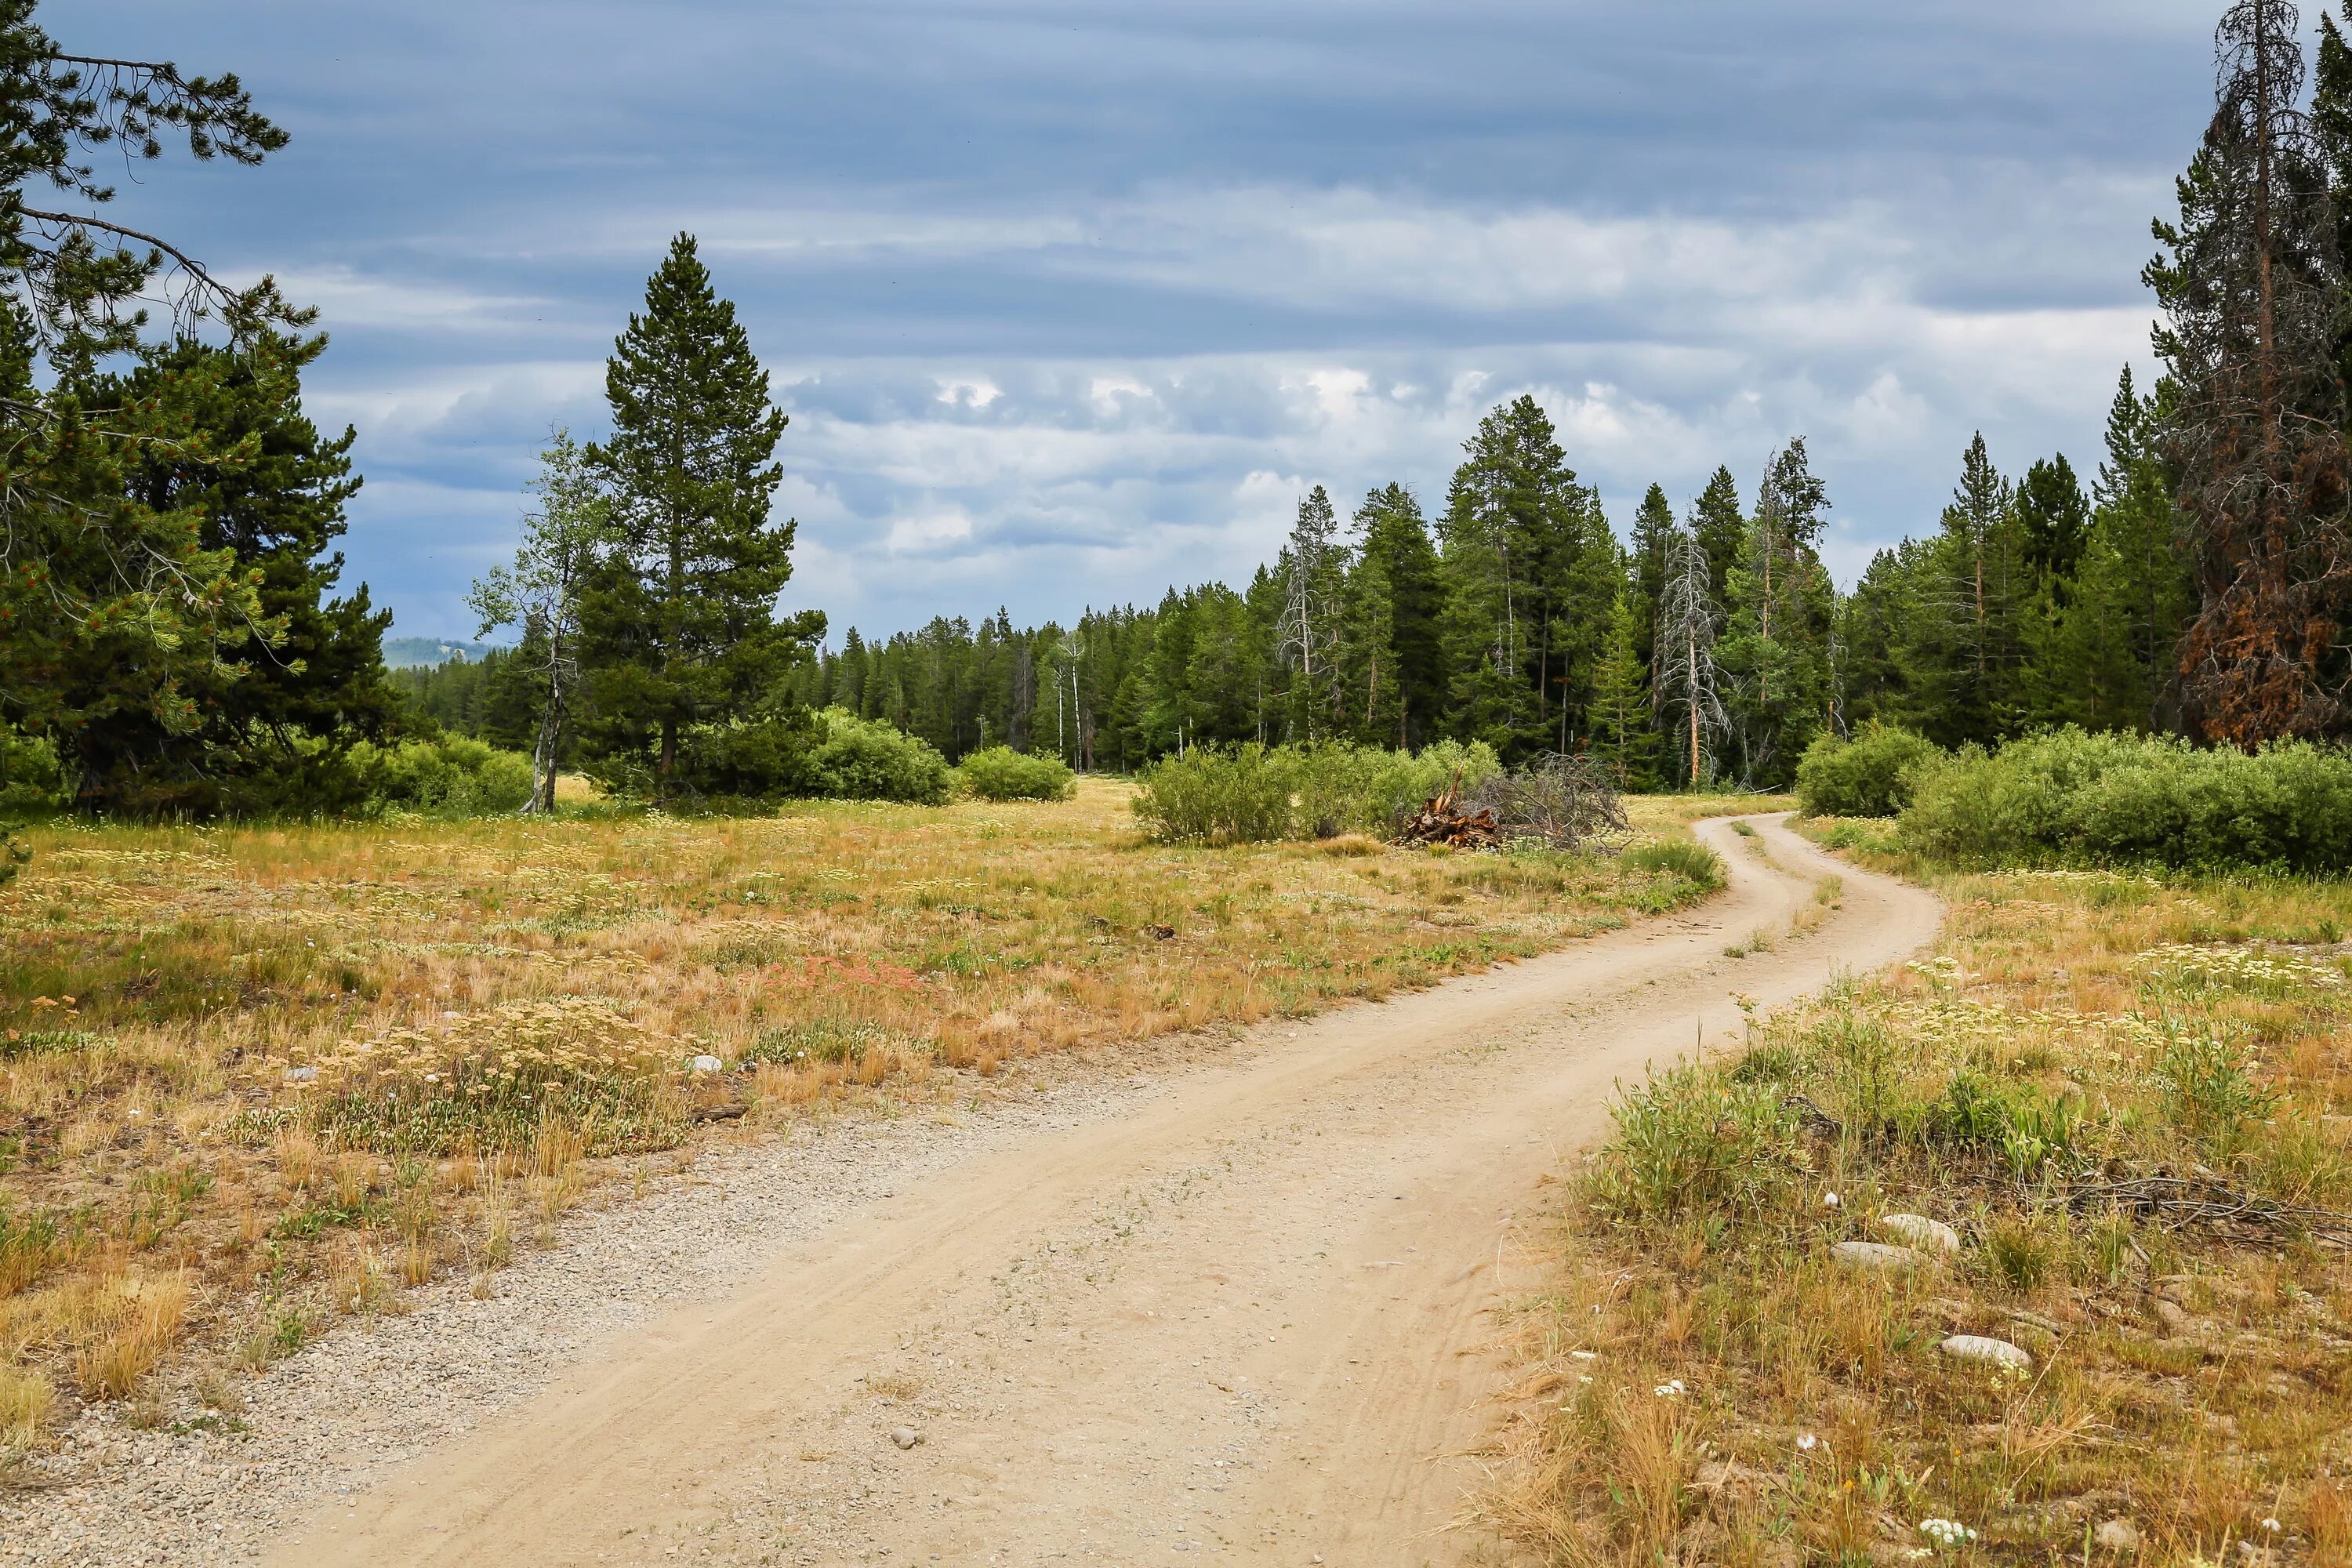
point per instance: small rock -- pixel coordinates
(1999, 1353)
(2116, 1535)
(301, 1075)
(2172, 1314)
(904, 1437)
(707, 1065)
(1876, 1256)
(1916, 1230)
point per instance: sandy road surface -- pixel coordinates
(1244, 1320)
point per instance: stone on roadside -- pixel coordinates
(1916, 1230)
(2118, 1535)
(707, 1065)
(1994, 1353)
(1876, 1256)
(904, 1437)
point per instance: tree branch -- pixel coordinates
(194, 267)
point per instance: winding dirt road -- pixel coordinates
(1247, 1321)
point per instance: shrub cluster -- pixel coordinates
(447, 775)
(1873, 775)
(999, 772)
(2066, 797)
(1253, 793)
(1686, 858)
(868, 759)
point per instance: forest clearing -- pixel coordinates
(257, 1080)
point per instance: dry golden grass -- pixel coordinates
(299, 1068)
(2192, 1381)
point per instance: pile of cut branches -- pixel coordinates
(1445, 819)
(1561, 802)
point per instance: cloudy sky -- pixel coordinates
(1067, 300)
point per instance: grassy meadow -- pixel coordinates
(2127, 1094)
(255, 1078)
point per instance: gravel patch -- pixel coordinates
(333, 1419)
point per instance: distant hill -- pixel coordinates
(409, 653)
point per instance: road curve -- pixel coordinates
(1245, 1322)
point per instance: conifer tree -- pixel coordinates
(1624, 737)
(1775, 651)
(1654, 522)
(1392, 533)
(1312, 568)
(1721, 525)
(685, 655)
(2252, 283)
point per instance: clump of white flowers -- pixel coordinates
(1947, 1532)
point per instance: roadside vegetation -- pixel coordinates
(2100, 1135)
(254, 1079)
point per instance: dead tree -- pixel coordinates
(2254, 290)
(1685, 677)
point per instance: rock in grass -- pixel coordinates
(1992, 1351)
(904, 1437)
(1916, 1230)
(2118, 1535)
(1876, 1256)
(707, 1065)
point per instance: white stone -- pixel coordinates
(1917, 1230)
(1997, 1353)
(708, 1065)
(2118, 1535)
(1875, 1256)
(904, 1437)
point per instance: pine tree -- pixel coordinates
(1313, 567)
(2110, 656)
(1720, 526)
(1624, 738)
(1392, 531)
(1967, 656)
(684, 655)
(1776, 650)
(1531, 570)
(1653, 523)
(2252, 284)
(242, 685)
(2054, 520)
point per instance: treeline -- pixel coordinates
(1518, 617)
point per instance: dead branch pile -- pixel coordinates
(1443, 819)
(1562, 801)
(2211, 1203)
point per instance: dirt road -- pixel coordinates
(1248, 1320)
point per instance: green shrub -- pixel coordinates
(1239, 795)
(1692, 1143)
(447, 775)
(999, 772)
(1871, 776)
(868, 759)
(2066, 797)
(1686, 858)
(1253, 793)
(32, 780)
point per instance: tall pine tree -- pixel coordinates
(685, 655)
